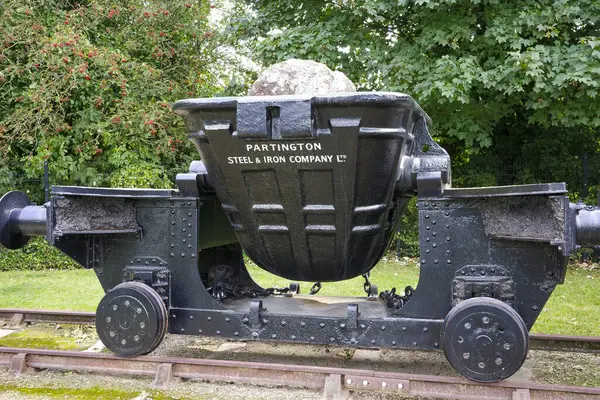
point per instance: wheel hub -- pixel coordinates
(484, 343)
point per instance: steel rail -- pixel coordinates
(18, 316)
(537, 341)
(582, 344)
(335, 382)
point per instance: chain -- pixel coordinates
(262, 293)
(229, 292)
(391, 298)
(274, 291)
(315, 288)
(394, 300)
(367, 284)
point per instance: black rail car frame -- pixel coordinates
(490, 257)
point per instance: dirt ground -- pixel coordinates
(541, 366)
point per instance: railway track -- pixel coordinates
(336, 383)
(537, 341)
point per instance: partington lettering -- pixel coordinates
(264, 147)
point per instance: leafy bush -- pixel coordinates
(88, 87)
(407, 236)
(471, 64)
(36, 255)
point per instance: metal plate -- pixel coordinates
(513, 190)
(111, 192)
(380, 384)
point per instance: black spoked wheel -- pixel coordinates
(485, 339)
(131, 319)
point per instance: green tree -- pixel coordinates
(485, 70)
(88, 86)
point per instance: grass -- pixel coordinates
(55, 337)
(76, 290)
(573, 308)
(92, 393)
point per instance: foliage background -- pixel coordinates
(36, 255)
(88, 86)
